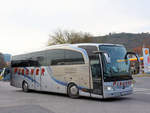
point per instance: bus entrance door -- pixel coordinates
(96, 74)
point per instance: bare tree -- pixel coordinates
(71, 37)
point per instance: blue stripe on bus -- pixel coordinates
(30, 78)
(59, 82)
(64, 83)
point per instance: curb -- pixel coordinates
(142, 75)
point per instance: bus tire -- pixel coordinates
(25, 86)
(73, 91)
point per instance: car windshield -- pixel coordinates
(118, 66)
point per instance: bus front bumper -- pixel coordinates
(111, 94)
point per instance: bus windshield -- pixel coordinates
(117, 67)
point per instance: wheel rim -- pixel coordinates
(74, 90)
(25, 87)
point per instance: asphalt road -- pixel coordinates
(13, 100)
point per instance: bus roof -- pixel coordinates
(96, 44)
(67, 45)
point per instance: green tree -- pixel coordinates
(71, 37)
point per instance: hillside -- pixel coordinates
(133, 42)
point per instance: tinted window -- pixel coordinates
(39, 58)
(24, 63)
(55, 57)
(29, 60)
(50, 57)
(90, 49)
(15, 63)
(73, 57)
(64, 57)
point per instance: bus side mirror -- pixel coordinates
(132, 53)
(138, 59)
(106, 55)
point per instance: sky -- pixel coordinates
(25, 25)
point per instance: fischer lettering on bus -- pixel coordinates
(118, 84)
(23, 71)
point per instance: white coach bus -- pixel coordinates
(93, 70)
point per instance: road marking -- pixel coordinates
(147, 93)
(142, 90)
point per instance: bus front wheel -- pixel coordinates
(25, 87)
(73, 91)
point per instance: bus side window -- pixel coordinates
(64, 57)
(55, 57)
(38, 59)
(16, 63)
(32, 63)
(73, 57)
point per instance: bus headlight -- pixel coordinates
(109, 88)
(132, 85)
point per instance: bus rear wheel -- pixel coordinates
(73, 91)
(25, 87)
